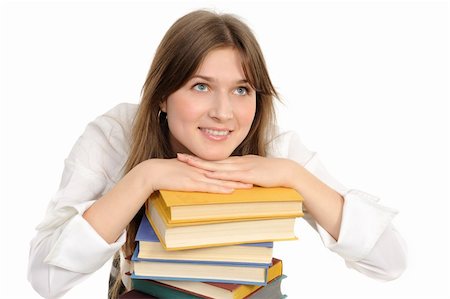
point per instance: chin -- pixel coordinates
(211, 156)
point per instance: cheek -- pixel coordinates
(183, 123)
(247, 113)
(180, 110)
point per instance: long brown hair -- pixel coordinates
(177, 58)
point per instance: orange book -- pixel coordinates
(186, 208)
(199, 235)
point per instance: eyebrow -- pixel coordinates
(210, 79)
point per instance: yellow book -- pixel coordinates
(218, 233)
(186, 208)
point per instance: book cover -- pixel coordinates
(219, 234)
(256, 203)
(146, 233)
(271, 291)
(150, 248)
(255, 194)
(226, 290)
(193, 271)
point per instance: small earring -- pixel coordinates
(163, 114)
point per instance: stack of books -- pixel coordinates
(205, 245)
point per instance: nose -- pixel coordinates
(222, 108)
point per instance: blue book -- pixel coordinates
(150, 249)
(198, 271)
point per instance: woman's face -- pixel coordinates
(212, 113)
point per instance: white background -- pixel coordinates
(365, 83)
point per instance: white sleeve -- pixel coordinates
(62, 257)
(367, 242)
(66, 248)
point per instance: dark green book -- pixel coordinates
(161, 291)
(133, 294)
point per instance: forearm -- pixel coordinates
(111, 213)
(322, 202)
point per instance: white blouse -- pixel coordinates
(66, 249)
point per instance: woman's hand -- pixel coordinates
(251, 169)
(323, 203)
(173, 174)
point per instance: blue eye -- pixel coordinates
(200, 87)
(242, 91)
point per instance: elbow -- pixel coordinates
(389, 258)
(48, 283)
(384, 262)
(394, 259)
(44, 278)
(40, 288)
(38, 271)
(383, 265)
(384, 272)
(395, 269)
(41, 280)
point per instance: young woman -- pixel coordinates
(205, 123)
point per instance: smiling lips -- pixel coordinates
(216, 134)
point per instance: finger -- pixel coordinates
(227, 183)
(237, 185)
(231, 159)
(196, 162)
(220, 187)
(182, 157)
(211, 165)
(237, 176)
(211, 188)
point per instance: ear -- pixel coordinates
(163, 106)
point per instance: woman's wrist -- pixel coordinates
(305, 182)
(294, 175)
(145, 172)
(323, 203)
